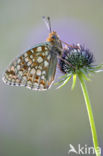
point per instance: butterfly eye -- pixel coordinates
(54, 37)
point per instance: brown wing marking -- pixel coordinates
(31, 69)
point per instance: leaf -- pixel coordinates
(94, 68)
(63, 76)
(60, 81)
(74, 81)
(85, 77)
(65, 82)
(97, 71)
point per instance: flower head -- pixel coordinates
(75, 61)
(77, 57)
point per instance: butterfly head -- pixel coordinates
(53, 37)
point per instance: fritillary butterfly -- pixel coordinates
(35, 68)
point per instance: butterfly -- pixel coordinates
(36, 68)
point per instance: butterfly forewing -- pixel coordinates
(34, 69)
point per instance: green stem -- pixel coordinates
(90, 115)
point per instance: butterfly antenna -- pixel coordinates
(47, 22)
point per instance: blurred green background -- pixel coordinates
(45, 123)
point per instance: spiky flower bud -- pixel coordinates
(77, 57)
(76, 61)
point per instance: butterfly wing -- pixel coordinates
(35, 69)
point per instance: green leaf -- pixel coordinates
(97, 71)
(74, 81)
(63, 76)
(65, 82)
(60, 81)
(95, 68)
(85, 77)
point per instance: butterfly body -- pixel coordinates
(35, 68)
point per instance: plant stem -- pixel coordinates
(90, 115)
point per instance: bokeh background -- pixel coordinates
(45, 123)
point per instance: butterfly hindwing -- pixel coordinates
(34, 69)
